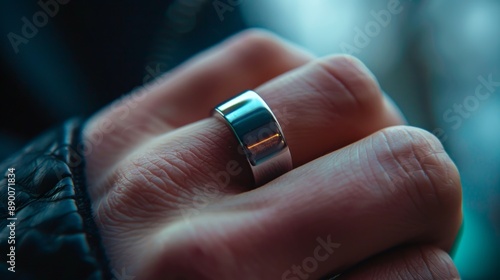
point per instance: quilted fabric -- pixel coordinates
(55, 235)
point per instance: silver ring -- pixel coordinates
(259, 134)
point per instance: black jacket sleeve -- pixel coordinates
(46, 225)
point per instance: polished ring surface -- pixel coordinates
(259, 134)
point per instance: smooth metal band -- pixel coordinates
(258, 133)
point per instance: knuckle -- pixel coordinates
(255, 37)
(420, 170)
(256, 45)
(358, 85)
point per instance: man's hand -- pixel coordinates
(367, 198)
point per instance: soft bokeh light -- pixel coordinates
(330, 26)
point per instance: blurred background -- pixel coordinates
(439, 60)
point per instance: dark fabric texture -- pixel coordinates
(55, 235)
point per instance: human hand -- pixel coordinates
(170, 191)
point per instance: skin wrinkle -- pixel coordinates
(118, 221)
(182, 161)
(392, 184)
(434, 194)
(174, 165)
(446, 184)
(346, 171)
(160, 179)
(285, 85)
(388, 199)
(422, 168)
(99, 188)
(323, 67)
(400, 273)
(289, 201)
(112, 222)
(161, 168)
(427, 264)
(136, 119)
(370, 166)
(401, 167)
(410, 266)
(370, 93)
(414, 262)
(147, 128)
(445, 268)
(115, 200)
(198, 175)
(137, 197)
(173, 168)
(383, 185)
(183, 195)
(202, 151)
(135, 237)
(450, 269)
(434, 170)
(358, 106)
(292, 95)
(329, 96)
(120, 168)
(413, 265)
